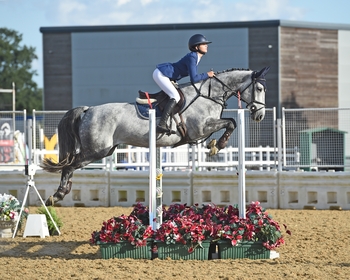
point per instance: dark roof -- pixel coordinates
(322, 129)
(184, 26)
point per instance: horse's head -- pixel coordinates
(254, 94)
(247, 85)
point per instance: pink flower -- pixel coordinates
(12, 215)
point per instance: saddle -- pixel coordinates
(158, 102)
(160, 99)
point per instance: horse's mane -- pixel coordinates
(216, 73)
(232, 69)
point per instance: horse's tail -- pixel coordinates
(68, 141)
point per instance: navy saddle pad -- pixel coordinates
(143, 110)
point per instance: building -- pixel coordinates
(91, 65)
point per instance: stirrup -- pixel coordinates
(161, 129)
(167, 131)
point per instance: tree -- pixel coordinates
(15, 66)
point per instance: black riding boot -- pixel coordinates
(162, 126)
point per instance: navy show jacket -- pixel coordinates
(186, 66)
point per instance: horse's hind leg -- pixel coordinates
(64, 187)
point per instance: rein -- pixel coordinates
(224, 97)
(237, 94)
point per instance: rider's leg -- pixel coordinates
(166, 85)
(162, 126)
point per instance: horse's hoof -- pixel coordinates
(211, 144)
(50, 201)
(213, 151)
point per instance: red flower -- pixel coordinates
(191, 225)
(123, 228)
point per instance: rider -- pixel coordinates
(165, 73)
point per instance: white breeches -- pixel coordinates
(166, 85)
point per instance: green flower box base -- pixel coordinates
(124, 249)
(248, 249)
(180, 251)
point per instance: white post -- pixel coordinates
(152, 169)
(159, 189)
(241, 164)
(279, 145)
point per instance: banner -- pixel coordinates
(6, 141)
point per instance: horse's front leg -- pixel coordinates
(216, 146)
(64, 187)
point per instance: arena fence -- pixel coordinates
(306, 139)
(303, 140)
(260, 147)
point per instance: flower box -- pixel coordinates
(179, 251)
(7, 228)
(10, 208)
(246, 249)
(124, 249)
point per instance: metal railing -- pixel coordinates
(318, 137)
(311, 139)
(260, 147)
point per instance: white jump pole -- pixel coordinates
(159, 185)
(152, 169)
(241, 164)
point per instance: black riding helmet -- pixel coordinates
(195, 40)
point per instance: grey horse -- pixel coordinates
(87, 134)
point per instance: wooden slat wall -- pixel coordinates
(309, 68)
(57, 71)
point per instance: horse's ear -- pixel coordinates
(262, 72)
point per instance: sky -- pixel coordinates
(27, 16)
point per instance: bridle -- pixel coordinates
(239, 93)
(227, 93)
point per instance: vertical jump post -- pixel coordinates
(155, 175)
(241, 164)
(152, 168)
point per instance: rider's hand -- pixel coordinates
(211, 74)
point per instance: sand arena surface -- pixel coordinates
(319, 248)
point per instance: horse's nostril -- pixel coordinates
(258, 118)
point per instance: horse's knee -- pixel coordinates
(223, 140)
(234, 123)
(232, 126)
